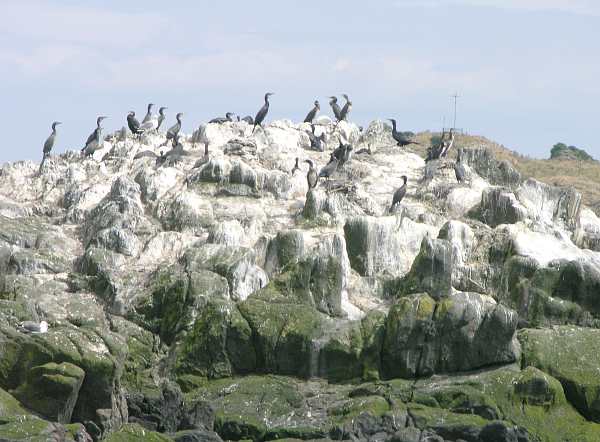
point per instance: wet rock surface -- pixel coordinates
(219, 298)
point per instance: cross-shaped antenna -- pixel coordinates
(455, 96)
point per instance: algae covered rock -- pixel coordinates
(570, 354)
(52, 390)
(461, 332)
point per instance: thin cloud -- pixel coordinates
(582, 7)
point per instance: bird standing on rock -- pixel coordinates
(133, 123)
(174, 130)
(311, 176)
(313, 112)
(400, 137)
(399, 193)
(459, 169)
(346, 109)
(316, 143)
(161, 117)
(49, 144)
(94, 141)
(337, 112)
(262, 113)
(330, 168)
(148, 115)
(296, 167)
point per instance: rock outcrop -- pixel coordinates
(209, 299)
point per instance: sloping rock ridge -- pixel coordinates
(220, 298)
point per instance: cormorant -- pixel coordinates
(316, 143)
(447, 145)
(330, 168)
(296, 167)
(94, 141)
(161, 117)
(311, 176)
(335, 108)
(399, 194)
(346, 109)
(148, 114)
(400, 137)
(262, 113)
(219, 120)
(248, 119)
(200, 137)
(150, 125)
(133, 123)
(174, 130)
(459, 169)
(49, 144)
(313, 112)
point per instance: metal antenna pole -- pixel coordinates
(455, 96)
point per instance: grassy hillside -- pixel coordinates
(582, 175)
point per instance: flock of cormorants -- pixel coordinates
(341, 155)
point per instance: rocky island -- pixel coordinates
(217, 297)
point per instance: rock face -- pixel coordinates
(208, 299)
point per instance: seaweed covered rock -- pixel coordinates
(461, 332)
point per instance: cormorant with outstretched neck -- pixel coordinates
(94, 141)
(262, 113)
(346, 109)
(335, 108)
(219, 120)
(49, 144)
(313, 112)
(311, 176)
(174, 130)
(400, 137)
(316, 143)
(148, 114)
(133, 123)
(296, 167)
(161, 117)
(399, 193)
(459, 169)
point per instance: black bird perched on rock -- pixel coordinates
(94, 141)
(316, 143)
(400, 137)
(330, 168)
(49, 144)
(174, 130)
(219, 120)
(399, 193)
(459, 169)
(343, 153)
(262, 113)
(248, 119)
(296, 167)
(335, 108)
(313, 112)
(311, 176)
(133, 123)
(161, 117)
(148, 114)
(447, 145)
(346, 109)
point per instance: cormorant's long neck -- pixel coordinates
(394, 125)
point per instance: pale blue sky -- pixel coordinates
(527, 70)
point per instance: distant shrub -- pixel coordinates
(562, 151)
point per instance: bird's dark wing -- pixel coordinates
(311, 115)
(91, 138)
(262, 113)
(49, 144)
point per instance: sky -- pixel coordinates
(526, 71)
